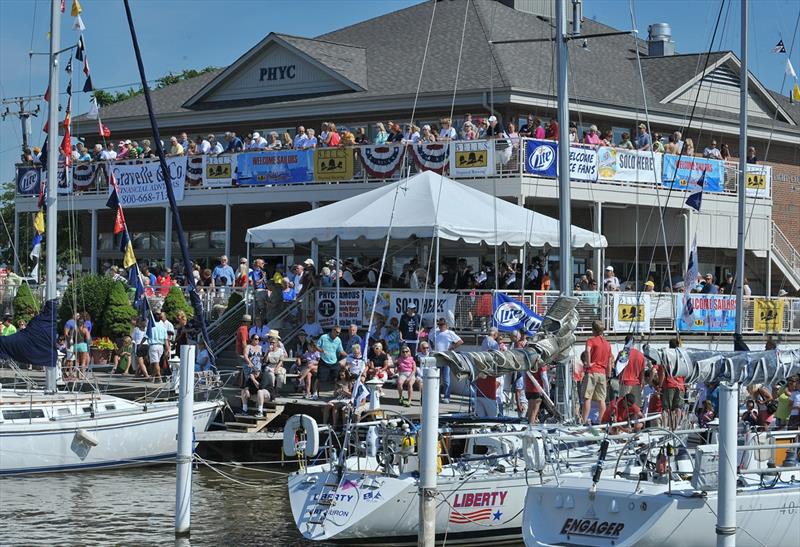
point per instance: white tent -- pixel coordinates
(425, 205)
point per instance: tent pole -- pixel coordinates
(338, 274)
(436, 285)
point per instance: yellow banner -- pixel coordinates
(630, 312)
(477, 159)
(333, 164)
(756, 181)
(768, 315)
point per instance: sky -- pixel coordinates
(180, 34)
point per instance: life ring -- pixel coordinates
(311, 429)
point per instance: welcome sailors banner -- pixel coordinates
(141, 183)
(275, 167)
(683, 174)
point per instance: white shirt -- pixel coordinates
(108, 155)
(443, 340)
(310, 142)
(611, 283)
(217, 148)
(445, 133)
(204, 146)
(299, 141)
(258, 144)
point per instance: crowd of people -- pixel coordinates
(393, 132)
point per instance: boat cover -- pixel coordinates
(35, 344)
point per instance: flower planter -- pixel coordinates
(100, 356)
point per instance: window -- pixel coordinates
(111, 407)
(198, 240)
(157, 240)
(23, 414)
(141, 241)
(64, 411)
(106, 242)
(217, 240)
(87, 409)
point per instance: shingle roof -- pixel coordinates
(348, 60)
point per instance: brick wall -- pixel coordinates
(786, 200)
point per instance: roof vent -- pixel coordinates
(659, 40)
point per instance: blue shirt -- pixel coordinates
(259, 279)
(223, 271)
(330, 349)
(158, 334)
(235, 145)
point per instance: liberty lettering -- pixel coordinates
(271, 73)
(480, 499)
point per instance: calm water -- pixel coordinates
(137, 507)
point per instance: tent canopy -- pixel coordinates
(428, 205)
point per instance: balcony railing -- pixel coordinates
(463, 160)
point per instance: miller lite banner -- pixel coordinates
(382, 160)
(541, 158)
(509, 314)
(472, 159)
(29, 181)
(430, 156)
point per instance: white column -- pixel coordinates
(183, 483)
(228, 208)
(17, 250)
(726, 500)
(168, 237)
(93, 243)
(315, 244)
(598, 252)
(428, 454)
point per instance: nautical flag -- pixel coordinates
(135, 281)
(36, 246)
(695, 199)
(120, 228)
(38, 221)
(93, 113)
(624, 357)
(790, 69)
(126, 247)
(68, 68)
(43, 155)
(689, 282)
(69, 88)
(78, 25)
(796, 92)
(779, 47)
(76, 8)
(47, 94)
(66, 142)
(79, 51)
(87, 86)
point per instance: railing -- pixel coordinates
(786, 251)
(509, 161)
(223, 330)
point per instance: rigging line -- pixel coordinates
(422, 67)
(30, 49)
(458, 65)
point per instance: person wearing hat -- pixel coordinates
(409, 327)
(8, 327)
(445, 340)
(649, 286)
(709, 287)
(273, 375)
(726, 287)
(643, 141)
(611, 282)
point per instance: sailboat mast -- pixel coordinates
(743, 81)
(52, 153)
(564, 210)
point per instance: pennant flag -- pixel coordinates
(76, 8)
(38, 221)
(47, 94)
(509, 314)
(36, 246)
(46, 128)
(80, 49)
(66, 142)
(135, 281)
(790, 69)
(87, 86)
(114, 204)
(78, 25)
(128, 258)
(68, 68)
(624, 357)
(688, 284)
(42, 194)
(779, 47)
(796, 92)
(35, 271)
(69, 88)
(105, 131)
(695, 199)
(45, 148)
(93, 113)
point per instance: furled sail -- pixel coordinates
(35, 344)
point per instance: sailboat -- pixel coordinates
(46, 430)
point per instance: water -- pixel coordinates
(137, 507)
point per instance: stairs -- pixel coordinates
(249, 423)
(785, 257)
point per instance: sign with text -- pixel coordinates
(141, 183)
(711, 313)
(275, 167)
(631, 313)
(621, 165)
(350, 307)
(29, 180)
(394, 303)
(218, 170)
(768, 315)
(333, 164)
(582, 163)
(472, 159)
(683, 174)
(541, 158)
(758, 180)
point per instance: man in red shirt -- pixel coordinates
(621, 410)
(632, 377)
(672, 389)
(243, 337)
(486, 396)
(598, 352)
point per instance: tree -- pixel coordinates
(118, 312)
(25, 304)
(105, 98)
(86, 293)
(175, 302)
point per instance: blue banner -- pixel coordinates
(684, 175)
(509, 314)
(541, 158)
(275, 167)
(711, 313)
(29, 180)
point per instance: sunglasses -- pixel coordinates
(256, 338)
(406, 351)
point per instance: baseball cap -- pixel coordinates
(492, 118)
(649, 284)
(609, 268)
(411, 306)
(441, 321)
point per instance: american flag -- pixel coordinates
(457, 517)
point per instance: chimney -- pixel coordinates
(659, 40)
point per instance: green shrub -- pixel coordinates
(118, 312)
(25, 304)
(86, 293)
(174, 302)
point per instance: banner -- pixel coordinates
(194, 170)
(333, 164)
(541, 158)
(768, 315)
(381, 160)
(218, 170)
(394, 303)
(87, 176)
(683, 175)
(350, 307)
(631, 314)
(710, 313)
(275, 167)
(29, 180)
(430, 156)
(509, 314)
(582, 163)
(141, 183)
(620, 165)
(472, 159)
(758, 181)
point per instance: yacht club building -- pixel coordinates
(369, 72)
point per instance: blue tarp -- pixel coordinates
(35, 344)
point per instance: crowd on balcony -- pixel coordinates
(393, 132)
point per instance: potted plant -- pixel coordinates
(101, 350)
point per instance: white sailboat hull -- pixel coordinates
(622, 514)
(119, 433)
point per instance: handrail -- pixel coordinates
(784, 248)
